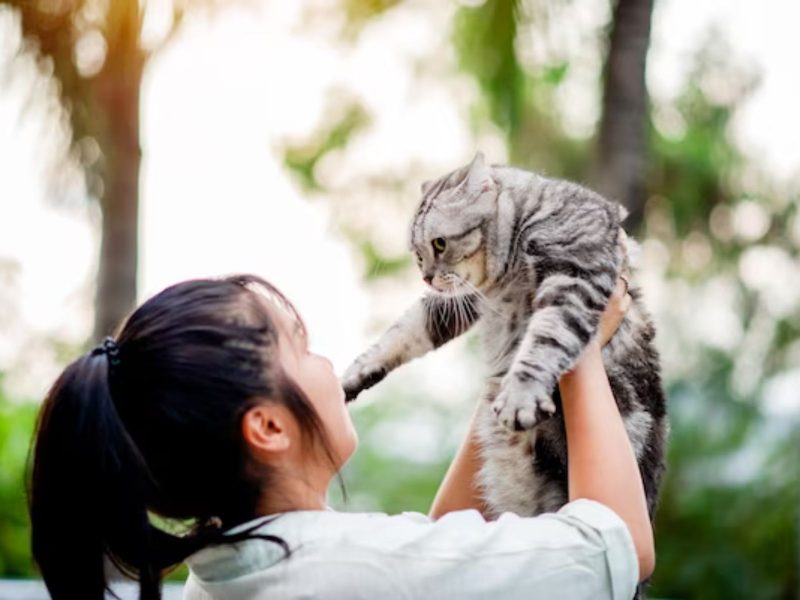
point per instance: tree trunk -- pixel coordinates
(117, 89)
(620, 162)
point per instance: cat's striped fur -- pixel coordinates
(532, 262)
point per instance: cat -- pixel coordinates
(531, 261)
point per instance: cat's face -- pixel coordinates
(449, 230)
(453, 264)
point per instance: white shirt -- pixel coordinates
(582, 551)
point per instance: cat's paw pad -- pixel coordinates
(359, 376)
(520, 405)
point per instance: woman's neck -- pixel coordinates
(292, 495)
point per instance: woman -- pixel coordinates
(208, 411)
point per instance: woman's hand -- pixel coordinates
(612, 316)
(618, 304)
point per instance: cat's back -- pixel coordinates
(520, 185)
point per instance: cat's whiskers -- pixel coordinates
(460, 312)
(480, 295)
(452, 305)
(454, 302)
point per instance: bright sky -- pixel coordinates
(215, 199)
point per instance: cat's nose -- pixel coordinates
(427, 278)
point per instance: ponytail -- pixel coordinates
(89, 492)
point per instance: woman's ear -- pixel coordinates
(266, 430)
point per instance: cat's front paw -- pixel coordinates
(520, 405)
(359, 376)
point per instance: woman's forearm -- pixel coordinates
(459, 490)
(601, 462)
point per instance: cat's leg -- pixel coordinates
(577, 268)
(574, 252)
(429, 323)
(566, 314)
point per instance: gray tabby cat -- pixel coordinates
(533, 261)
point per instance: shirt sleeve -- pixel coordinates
(584, 551)
(621, 557)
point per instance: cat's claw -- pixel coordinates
(359, 376)
(521, 405)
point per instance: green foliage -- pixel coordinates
(302, 159)
(727, 524)
(521, 102)
(16, 427)
(379, 265)
(723, 531)
(379, 477)
(695, 165)
(360, 12)
(485, 36)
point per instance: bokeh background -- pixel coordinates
(146, 142)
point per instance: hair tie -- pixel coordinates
(110, 348)
(208, 528)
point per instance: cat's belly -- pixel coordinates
(501, 333)
(507, 478)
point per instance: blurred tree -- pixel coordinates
(620, 158)
(521, 100)
(95, 51)
(485, 36)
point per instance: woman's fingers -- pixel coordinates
(627, 300)
(620, 300)
(612, 316)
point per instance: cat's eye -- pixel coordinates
(439, 244)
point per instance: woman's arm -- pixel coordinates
(458, 490)
(601, 462)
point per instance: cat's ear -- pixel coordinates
(479, 176)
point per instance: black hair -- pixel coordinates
(156, 429)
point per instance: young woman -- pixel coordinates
(208, 411)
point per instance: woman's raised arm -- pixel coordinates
(601, 462)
